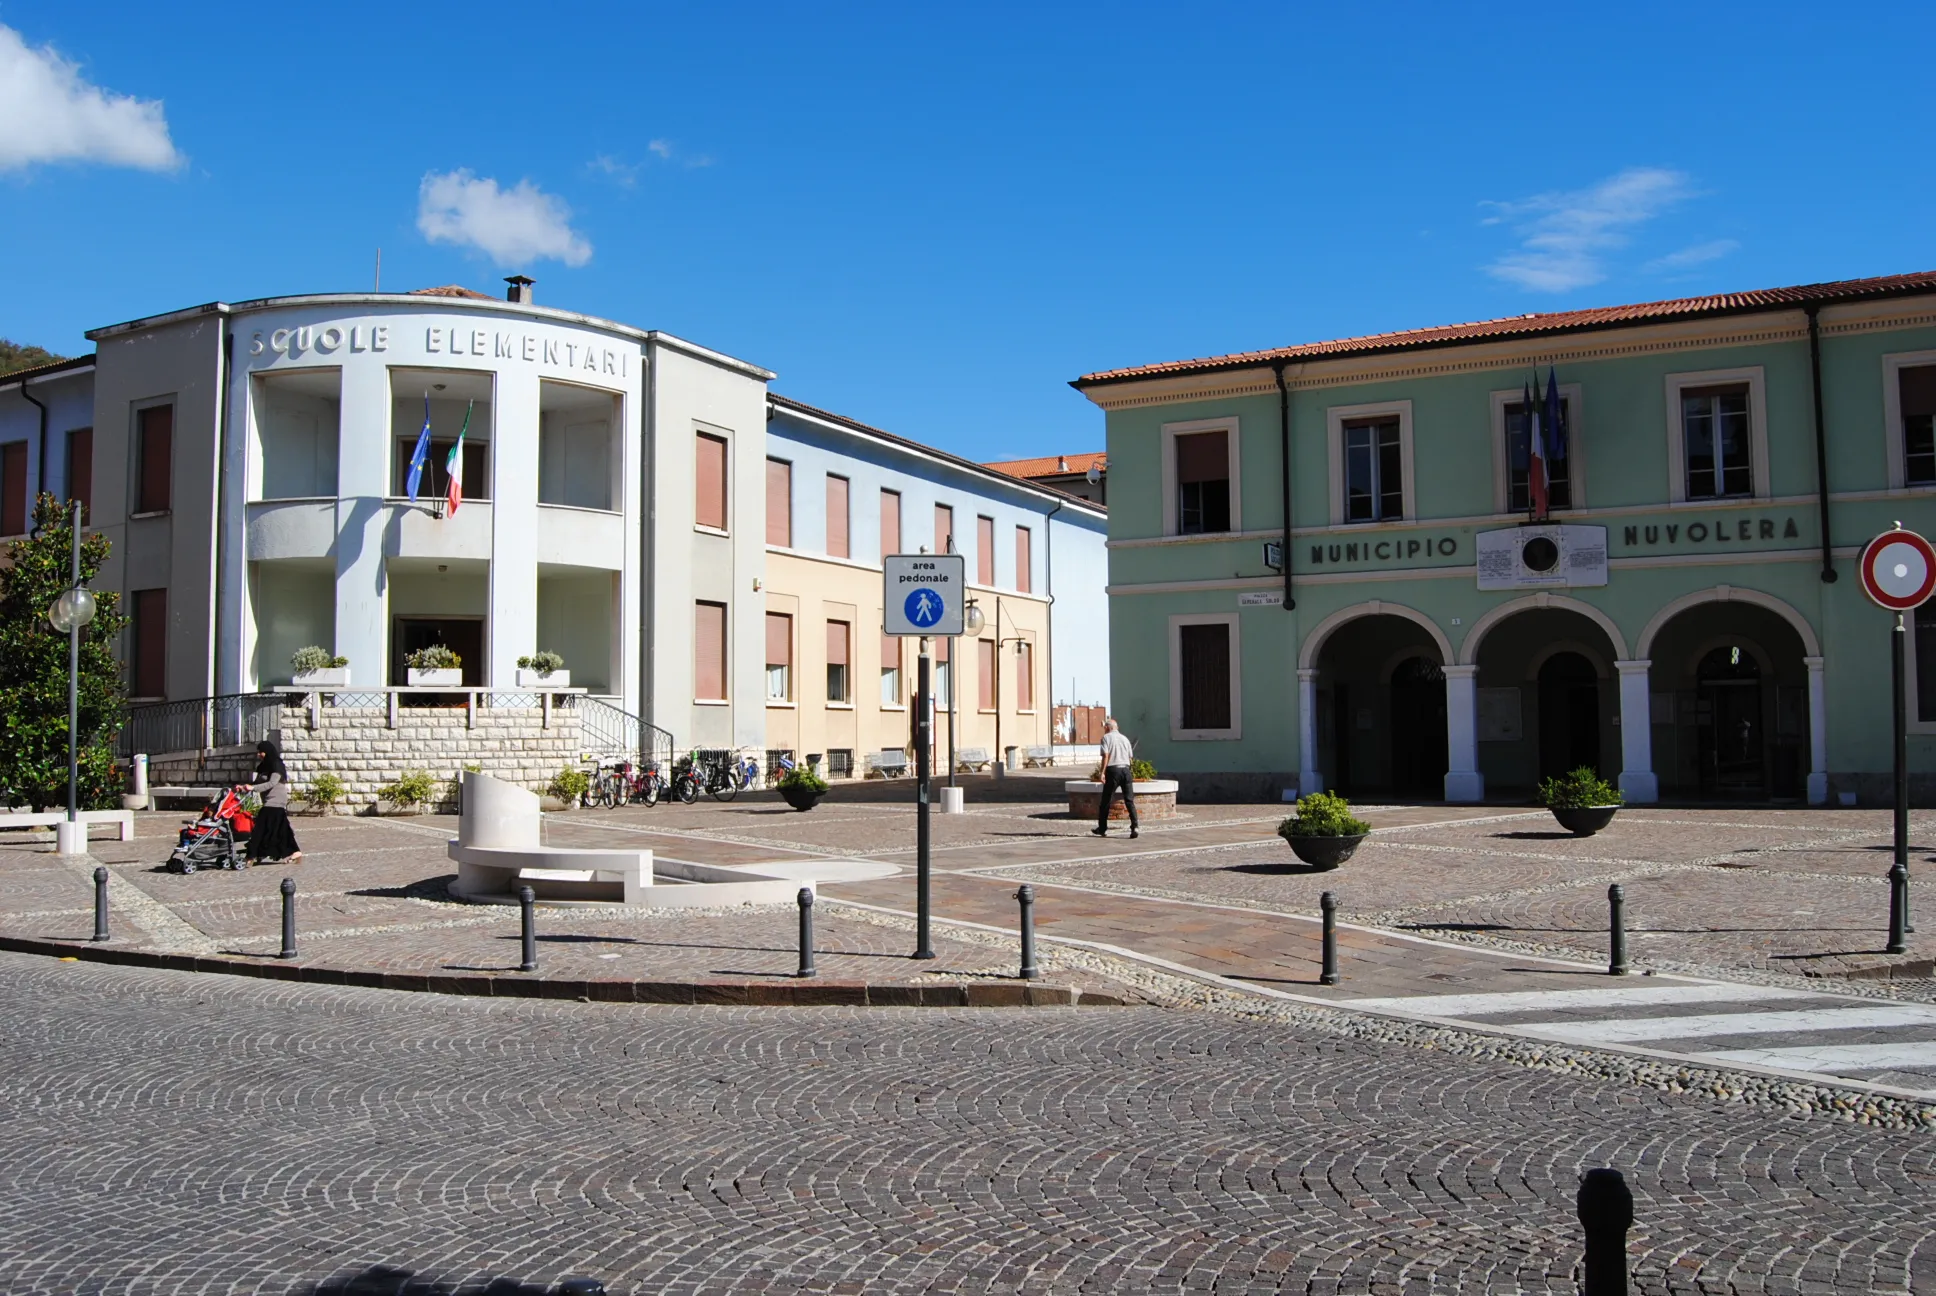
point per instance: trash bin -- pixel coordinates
(813, 763)
(1010, 759)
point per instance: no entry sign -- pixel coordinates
(1898, 570)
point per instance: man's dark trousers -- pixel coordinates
(1116, 776)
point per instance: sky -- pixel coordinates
(931, 218)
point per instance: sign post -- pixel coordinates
(1898, 571)
(922, 595)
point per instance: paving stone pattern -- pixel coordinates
(168, 1133)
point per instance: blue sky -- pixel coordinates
(932, 219)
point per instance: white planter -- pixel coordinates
(328, 677)
(1142, 787)
(530, 679)
(450, 678)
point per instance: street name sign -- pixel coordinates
(1898, 570)
(923, 594)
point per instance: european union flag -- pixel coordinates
(420, 454)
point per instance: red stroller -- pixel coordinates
(215, 840)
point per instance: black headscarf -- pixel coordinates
(271, 762)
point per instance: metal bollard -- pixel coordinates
(807, 968)
(288, 918)
(1605, 1208)
(528, 901)
(1328, 973)
(1026, 898)
(1616, 931)
(581, 1287)
(100, 904)
(1898, 910)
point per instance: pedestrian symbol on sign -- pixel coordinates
(924, 607)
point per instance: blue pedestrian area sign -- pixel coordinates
(923, 594)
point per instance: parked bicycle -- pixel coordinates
(726, 778)
(686, 778)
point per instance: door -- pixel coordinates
(1418, 729)
(1728, 711)
(1569, 715)
(462, 635)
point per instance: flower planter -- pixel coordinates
(328, 677)
(1155, 799)
(1584, 821)
(1325, 852)
(801, 798)
(449, 677)
(530, 679)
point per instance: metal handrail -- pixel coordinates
(613, 733)
(201, 724)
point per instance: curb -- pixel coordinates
(786, 993)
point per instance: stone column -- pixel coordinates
(1637, 777)
(1463, 781)
(1817, 733)
(1309, 779)
(511, 629)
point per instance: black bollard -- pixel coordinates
(528, 901)
(288, 918)
(100, 904)
(581, 1287)
(1898, 910)
(1616, 931)
(1328, 973)
(807, 968)
(1026, 898)
(1606, 1213)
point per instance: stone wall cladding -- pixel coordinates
(355, 744)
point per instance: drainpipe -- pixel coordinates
(42, 489)
(1284, 442)
(1048, 563)
(649, 528)
(220, 495)
(1821, 438)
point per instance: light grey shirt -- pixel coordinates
(1116, 750)
(274, 791)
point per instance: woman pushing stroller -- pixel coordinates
(272, 839)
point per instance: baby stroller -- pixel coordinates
(215, 839)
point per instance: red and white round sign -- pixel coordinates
(1898, 570)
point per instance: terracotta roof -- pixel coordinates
(1049, 465)
(1682, 308)
(451, 290)
(51, 367)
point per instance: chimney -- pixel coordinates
(1062, 463)
(520, 290)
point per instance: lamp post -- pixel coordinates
(972, 621)
(71, 611)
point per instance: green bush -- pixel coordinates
(412, 788)
(1322, 814)
(314, 658)
(435, 657)
(802, 777)
(1576, 790)
(1141, 771)
(570, 785)
(324, 792)
(542, 662)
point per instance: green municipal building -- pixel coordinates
(1324, 572)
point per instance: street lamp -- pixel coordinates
(972, 621)
(71, 612)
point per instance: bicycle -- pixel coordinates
(726, 778)
(608, 786)
(685, 779)
(649, 784)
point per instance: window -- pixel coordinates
(1916, 390)
(155, 451)
(13, 488)
(1203, 482)
(579, 458)
(890, 522)
(435, 483)
(150, 657)
(944, 529)
(1559, 478)
(985, 550)
(709, 652)
(779, 503)
(840, 636)
(80, 469)
(943, 684)
(709, 475)
(890, 670)
(1205, 681)
(1025, 676)
(1924, 648)
(1024, 560)
(779, 657)
(985, 667)
(837, 518)
(1715, 437)
(1374, 471)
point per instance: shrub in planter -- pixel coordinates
(315, 658)
(541, 663)
(1581, 800)
(435, 657)
(1140, 771)
(324, 792)
(802, 788)
(569, 786)
(1323, 833)
(411, 790)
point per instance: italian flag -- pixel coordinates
(454, 464)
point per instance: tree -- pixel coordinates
(19, 355)
(33, 670)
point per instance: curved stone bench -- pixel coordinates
(497, 852)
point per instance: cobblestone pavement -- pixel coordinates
(171, 1133)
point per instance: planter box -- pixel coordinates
(328, 677)
(530, 679)
(1325, 852)
(1584, 821)
(1155, 799)
(801, 798)
(450, 678)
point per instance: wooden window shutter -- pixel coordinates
(985, 550)
(944, 528)
(1204, 668)
(1025, 676)
(13, 488)
(80, 470)
(709, 472)
(779, 503)
(779, 639)
(1024, 561)
(157, 451)
(890, 522)
(837, 520)
(985, 672)
(709, 651)
(1203, 456)
(890, 652)
(838, 633)
(150, 643)
(1917, 390)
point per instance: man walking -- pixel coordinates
(1117, 757)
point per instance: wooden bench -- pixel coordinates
(970, 759)
(1037, 757)
(122, 819)
(887, 764)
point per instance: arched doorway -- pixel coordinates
(1379, 708)
(1730, 703)
(1728, 710)
(1569, 715)
(1418, 728)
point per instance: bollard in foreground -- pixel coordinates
(1605, 1207)
(288, 918)
(100, 904)
(1898, 910)
(1026, 898)
(1616, 931)
(528, 902)
(1328, 972)
(807, 968)
(581, 1287)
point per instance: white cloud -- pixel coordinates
(1699, 254)
(661, 147)
(512, 226)
(1565, 236)
(52, 114)
(614, 169)
(667, 151)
